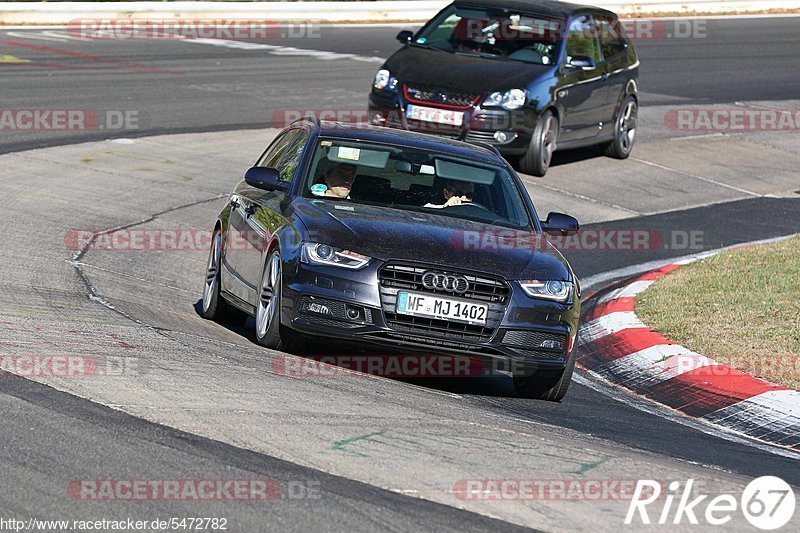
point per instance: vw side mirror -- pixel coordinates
(582, 62)
(405, 36)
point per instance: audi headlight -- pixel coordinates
(512, 99)
(384, 80)
(315, 253)
(560, 291)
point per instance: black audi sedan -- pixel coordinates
(396, 240)
(529, 77)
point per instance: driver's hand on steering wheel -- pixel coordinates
(457, 200)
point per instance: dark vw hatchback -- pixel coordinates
(529, 77)
(396, 241)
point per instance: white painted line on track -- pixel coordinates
(36, 36)
(66, 36)
(528, 180)
(696, 176)
(323, 55)
(700, 136)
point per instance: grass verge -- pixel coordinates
(740, 308)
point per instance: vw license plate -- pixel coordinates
(429, 306)
(440, 116)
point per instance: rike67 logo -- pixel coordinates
(767, 502)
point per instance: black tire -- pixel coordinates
(543, 143)
(550, 385)
(270, 333)
(213, 306)
(624, 129)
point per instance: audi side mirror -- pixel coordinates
(559, 223)
(265, 178)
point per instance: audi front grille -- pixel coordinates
(481, 288)
(395, 277)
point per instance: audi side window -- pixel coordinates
(582, 40)
(272, 154)
(292, 156)
(612, 41)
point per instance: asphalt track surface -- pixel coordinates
(179, 87)
(51, 436)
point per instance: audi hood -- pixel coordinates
(385, 233)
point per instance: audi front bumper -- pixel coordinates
(357, 310)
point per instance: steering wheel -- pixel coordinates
(472, 205)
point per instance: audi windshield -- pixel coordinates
(415, 180)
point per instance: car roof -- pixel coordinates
(552, 8)
(380, 134)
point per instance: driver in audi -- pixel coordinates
(455, 192)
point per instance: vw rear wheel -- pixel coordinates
(624, 130)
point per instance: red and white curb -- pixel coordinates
(616, 345)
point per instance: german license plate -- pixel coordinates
(429, 306)
(440, 116)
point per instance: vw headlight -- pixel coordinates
(315, 253)
(384, 80)
(560, 291)
(512, 99)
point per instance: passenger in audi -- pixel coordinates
(455, 192)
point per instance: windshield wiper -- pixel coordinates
(487, 55)
(429, 47)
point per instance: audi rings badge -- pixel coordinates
(445, 282)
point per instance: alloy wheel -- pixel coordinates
(267, 306)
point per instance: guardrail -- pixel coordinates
(333, 12)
